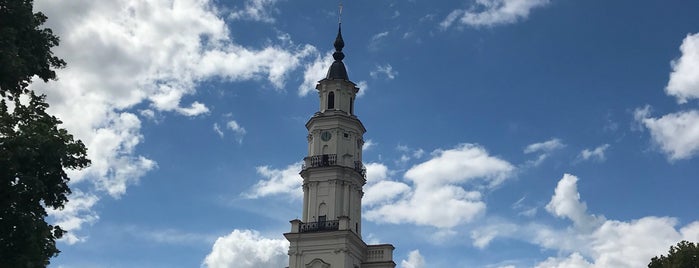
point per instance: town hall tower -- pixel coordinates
(329, 234)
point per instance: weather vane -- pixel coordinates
(339, 19)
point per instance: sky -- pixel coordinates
(500, 133)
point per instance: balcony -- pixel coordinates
(359, 167)
(326, 160)
(319, 226)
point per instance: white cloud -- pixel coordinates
(111, 149)
(492, 12)
(575, 260)
(368, 144)
(363, 87)
(379, 189)
(122, 54)
(676, 134)
(684, 79)
(566, 203)
(256, 10)
(408, 154)
(609, 243)
(247, 249)
(75, 213)
(383, 191)
(386, 70)
(238, 130)
(523, 209)
(376, 172)
(544, 149)
(594, 154)
(415, 260)
(436, 193)
(377, 40)
(278, 181)
(218, 130)
(379, 36)
(315, 71)
(195, 109)
(464, 163)
(482, 236)
(591, 241)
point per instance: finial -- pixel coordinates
(339, 16)
(339, 44)
(337, 69)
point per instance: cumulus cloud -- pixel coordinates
(76, 213)
(247, 249)
(492, 12)
(676, 134)
(195, 109)
(314, 71)
(566, 203)
(684, 79)
(434, 189)
(592, 241)
(415, 260)
(363, 87)
(436, 192)
(285, 181)
(575, 260)
(255, 10)
(383, 191)
(543, 149)
(368, 144)
(386, 70)
(598, 153)
(379, 188)
(122, 54)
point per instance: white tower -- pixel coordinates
(329, 233)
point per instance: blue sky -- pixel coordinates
(501, 133)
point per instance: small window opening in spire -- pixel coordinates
(331, 100)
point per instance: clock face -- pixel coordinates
(325, 135)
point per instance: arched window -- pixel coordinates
(351, 105)
(331, 100)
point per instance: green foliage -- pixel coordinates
(684, 255)
(34, 151)
(25, 49)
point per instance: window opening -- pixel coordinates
(351, 105)
(331, 100)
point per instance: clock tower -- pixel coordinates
(329, 234)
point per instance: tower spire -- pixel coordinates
(337, 69)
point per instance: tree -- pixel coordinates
(684, 255)
(25, 49)
(34, 150)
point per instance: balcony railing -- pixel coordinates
(359, 167)
(326, 160)
(319, 226)
(323, 160)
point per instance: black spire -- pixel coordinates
(337, 69)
